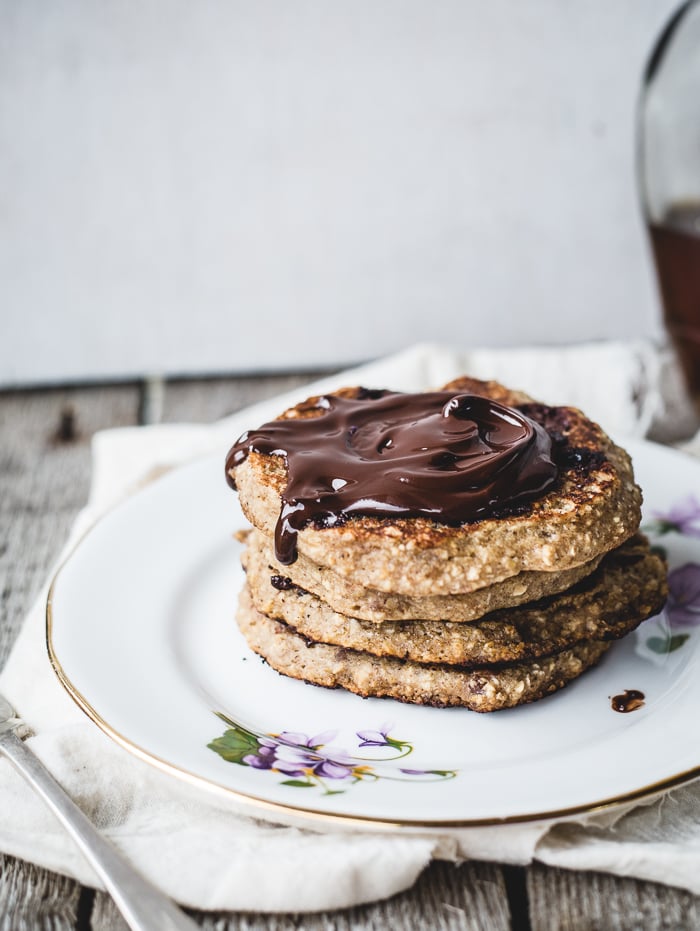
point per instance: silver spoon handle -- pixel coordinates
(143, 907)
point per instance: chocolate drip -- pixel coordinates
(629, 700)
(452, 458)
(281, 583)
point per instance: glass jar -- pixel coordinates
(669, 163)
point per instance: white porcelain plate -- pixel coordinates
(141, 632)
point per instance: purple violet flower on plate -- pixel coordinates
(683, 517)
(375, 738)
(683, 606)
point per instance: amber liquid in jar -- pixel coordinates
(676, 244)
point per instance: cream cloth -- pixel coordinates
(193, 844)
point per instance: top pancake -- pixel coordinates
(593, 508)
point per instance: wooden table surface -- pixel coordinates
(45, 473)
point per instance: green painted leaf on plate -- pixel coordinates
(234, 744)
(668, 644)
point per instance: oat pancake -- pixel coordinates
(593, 508)
(348, 596)
(479, 689)
(628, 587)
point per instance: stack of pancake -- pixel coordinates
(489, 595)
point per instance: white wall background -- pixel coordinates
(219, 185)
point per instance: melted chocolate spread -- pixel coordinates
(629, 700)
(453, 458)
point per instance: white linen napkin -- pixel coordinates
(194, 844)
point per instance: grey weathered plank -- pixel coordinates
(45, 470)
(570, 901)
(445, 898)
(205, 400)
(32, 899)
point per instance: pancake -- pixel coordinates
(487, 688)
(593, 508)
(348, 596)
(628, 587)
